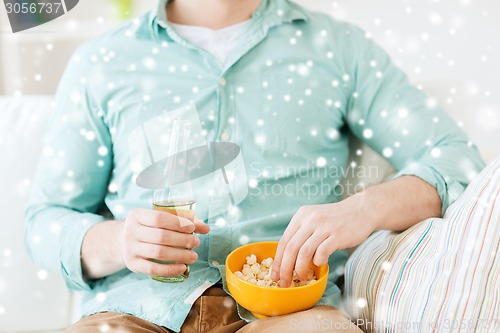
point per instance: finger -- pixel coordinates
(292, 228)
(164, 237)
(306, 254)
(164, 220)
(200, 227)
(326, 248)
(152, 268)
(282, 244)
(165, 253)
(290, 255)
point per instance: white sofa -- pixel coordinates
(31, 299)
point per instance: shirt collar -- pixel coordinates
(273, 12)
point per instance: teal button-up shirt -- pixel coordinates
(292, 89)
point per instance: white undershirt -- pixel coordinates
(219, 43)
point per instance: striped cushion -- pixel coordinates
(440, 275)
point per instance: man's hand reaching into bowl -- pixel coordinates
(314, 233)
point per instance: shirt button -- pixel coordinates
(225, 136)
(222, 82)
(215, 263)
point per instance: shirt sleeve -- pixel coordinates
(405, 126)
(71, 178)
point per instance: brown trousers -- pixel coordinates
(215, 312)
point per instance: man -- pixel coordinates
(283, 83)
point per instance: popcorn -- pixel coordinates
(260, 274)
(247, 271)
(267, 262)
(255, 269)
(251, 259)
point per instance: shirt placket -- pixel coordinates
(219, 237)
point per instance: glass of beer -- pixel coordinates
(185, 209)
(176, 197)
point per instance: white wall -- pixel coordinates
(32, 61)
(449, 40)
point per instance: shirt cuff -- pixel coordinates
(448, 190)
(70, 251)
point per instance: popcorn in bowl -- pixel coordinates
(260, 274)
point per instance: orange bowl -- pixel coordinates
(266, 301)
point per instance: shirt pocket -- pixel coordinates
(299, 116)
